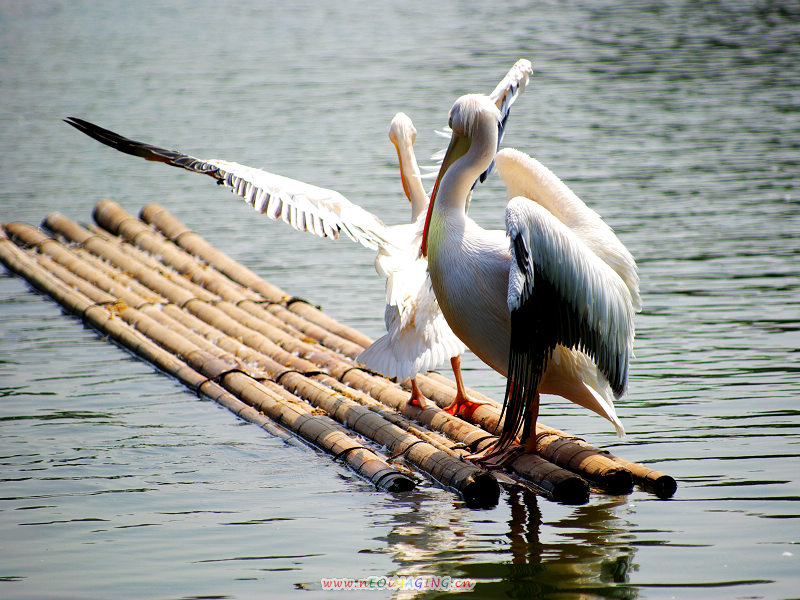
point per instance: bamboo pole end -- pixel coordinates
(661, 485)
(558, 484)
(572, 491)
(616, 481)
(481, 490)
(23, 235)
(393, 481)
(149, 211)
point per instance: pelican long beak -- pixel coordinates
(402, 175)
(459, 146)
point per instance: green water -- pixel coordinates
(676, 121)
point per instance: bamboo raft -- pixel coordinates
(159, 290)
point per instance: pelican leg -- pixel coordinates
(461, 401)
(496, 456)
(416, 398)
(528, 439)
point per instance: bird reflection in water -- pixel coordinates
(582, 554)
(586, 558)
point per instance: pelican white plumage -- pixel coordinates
(548, 302)
(418, 337)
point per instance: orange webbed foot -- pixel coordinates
(463, 405)
(461, 402)
(417, 398)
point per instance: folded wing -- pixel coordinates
(560, 293)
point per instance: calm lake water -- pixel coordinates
(679, 122)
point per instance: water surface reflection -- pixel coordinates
(585, 551)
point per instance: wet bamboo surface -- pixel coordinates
(159, 289)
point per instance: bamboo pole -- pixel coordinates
(146, 349)
(568, 452)
(248, 313)
(177, 232)
(551, 480)
(100, 311)
(662, 485)
(590, 463)
(110, 216)
(607, 472)
(115, 219)
(360, 414)
(554, 483)
(652, 480)
(174, 230)
(293, 368)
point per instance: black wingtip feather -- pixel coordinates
(123, 144)
(142, 150)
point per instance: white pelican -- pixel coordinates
(548, 302)
(418, 337)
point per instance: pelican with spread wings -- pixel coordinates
(549, 301)
(418, 338)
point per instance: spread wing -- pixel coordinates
(323, 212)
(418, 338)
